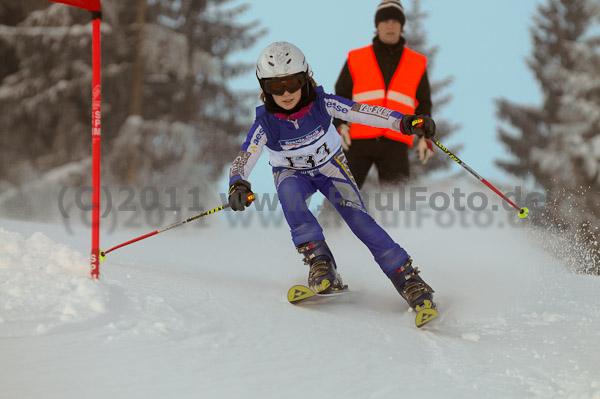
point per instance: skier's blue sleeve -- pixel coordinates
(249, 154)
(370, 115)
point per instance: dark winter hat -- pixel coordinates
(389, 9)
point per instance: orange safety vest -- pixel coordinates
(369, 88)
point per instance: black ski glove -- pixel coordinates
(421, 125)
(239, 192)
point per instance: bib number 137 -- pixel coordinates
(308, 161)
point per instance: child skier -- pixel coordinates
(295, 125)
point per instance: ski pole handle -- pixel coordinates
(417, 122)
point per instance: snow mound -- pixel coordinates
(41, 277)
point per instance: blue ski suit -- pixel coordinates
(306, 157)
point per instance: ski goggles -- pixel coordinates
(291, 84)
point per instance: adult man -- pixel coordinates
(389, 74)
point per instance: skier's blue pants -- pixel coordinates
(335, 182)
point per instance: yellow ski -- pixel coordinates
(300, 293)
(425, 313)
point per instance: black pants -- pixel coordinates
(389, 156)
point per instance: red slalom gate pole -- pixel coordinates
(96, 136)
(103, 254)
(95, 8)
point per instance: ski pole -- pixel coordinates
(523, 212)
(251, 198)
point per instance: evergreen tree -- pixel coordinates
(416, 38)
(557, 144)
(162, 61)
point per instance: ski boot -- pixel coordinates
(416, 292)
(411, 286)
(322, 276)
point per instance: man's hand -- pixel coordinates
(344, 131)
(424, 150)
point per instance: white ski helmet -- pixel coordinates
(280, 59)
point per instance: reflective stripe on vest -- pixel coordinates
(369, 88)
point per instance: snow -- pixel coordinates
(201, 312)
